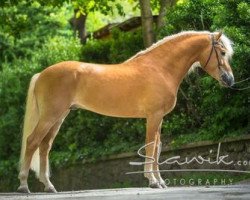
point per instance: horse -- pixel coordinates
(144, 86)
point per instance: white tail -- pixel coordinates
(30, 121)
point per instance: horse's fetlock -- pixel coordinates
(22, 176)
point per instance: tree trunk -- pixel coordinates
(164, 5)
(147, 23)
(79, 25)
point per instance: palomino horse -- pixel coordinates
(145, 86)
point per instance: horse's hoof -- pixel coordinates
(23, 189)
(155, 185)
(50, 189)
(163, 185)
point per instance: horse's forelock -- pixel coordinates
(228, 45)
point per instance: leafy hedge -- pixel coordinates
(117, 49)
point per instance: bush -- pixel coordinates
(118, 48)
(14, 81)
(26, 26)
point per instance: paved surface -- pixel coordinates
(236, 192)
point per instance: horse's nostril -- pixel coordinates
(224, 77)
(227, 78)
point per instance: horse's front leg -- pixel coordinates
(153, 123)
(156, 157)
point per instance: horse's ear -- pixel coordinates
(218, 35)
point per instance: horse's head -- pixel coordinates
(215, 59)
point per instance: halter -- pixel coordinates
(219, 64)
(211, 52)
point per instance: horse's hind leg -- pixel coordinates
(33, 141)
(44, 149)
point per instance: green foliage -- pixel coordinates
(86, 135)
(32, 37)
(25, 26)
(125, 45)
(14, 81)
(120, 11)
(117, 49)
(97, 52)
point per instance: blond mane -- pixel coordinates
(166, 39)
(226, 42)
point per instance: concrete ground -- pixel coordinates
(232, 192)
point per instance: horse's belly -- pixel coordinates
(112, 108)
(111, 100)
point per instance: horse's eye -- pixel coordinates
(223, 53)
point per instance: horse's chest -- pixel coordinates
(169, 104)
(161, 99)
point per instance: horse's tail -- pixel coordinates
(30, 121)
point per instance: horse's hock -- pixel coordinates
(111, 172)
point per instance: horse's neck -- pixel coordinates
(182, 54)
(175, 57)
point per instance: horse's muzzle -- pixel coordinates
(227, 79)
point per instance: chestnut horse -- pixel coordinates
(145, 86)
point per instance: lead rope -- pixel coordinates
(233, 88)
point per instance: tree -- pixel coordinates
(81, 10)
(147, 18)
(83, 7)
(147, 22)
(78, 22)
(164, 5)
